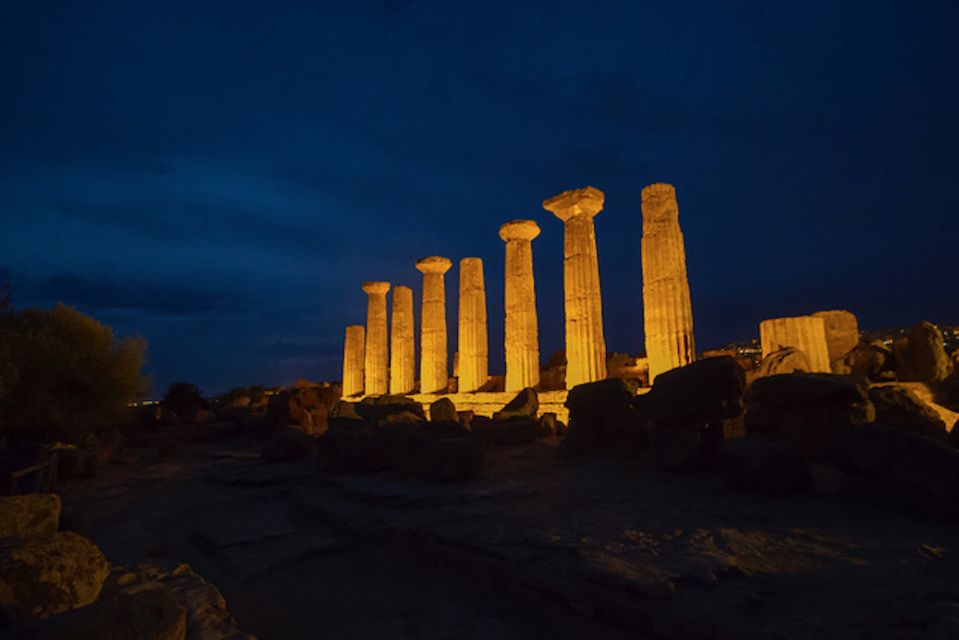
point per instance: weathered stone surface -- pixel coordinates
(287, 444)
(585, 344)
(525, 405)
(689, 408)
(522, 326)
(359, 449)
(805, 333)
(377, 338)
(920, 355)
(44, 575)
(354, 360)
(29, 515)
(900, 408)
(871, 360)
(306, 408)
(402, 346)
(443, 410)
(439, 459)
(759, 466)
(601, 416)
(549, 426)
(807, 411)
(842, 332)
(471, 338)
(434, 351)
(374, 409)
(667, 308)
(786, 360)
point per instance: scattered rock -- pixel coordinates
(806, 410)
(869, 359)
(525, 406)
(306, 407)
(920, 355)
(601, 415)
(759, 466)
(549, 425)
(785, 360)
(443, 410)
(44, 575)
(842, 332)
(376, 409)
(29, 515)
(355, 449)
(287, 444)
(902, 409)
(419, 455)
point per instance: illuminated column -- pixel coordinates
(472, 341)
(522, 331)
(434, 370)
(377, 358)
(585, 346)
(402, 351)
(667, 309)
(806, 333)
(353, 360)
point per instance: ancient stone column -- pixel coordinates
(402, 349)
(354, 351)
(473, 358)
(585, 346)
(434, 367)
(377, 348)
(522, 329)
(842, 332)
(806, 333)
(667, 309)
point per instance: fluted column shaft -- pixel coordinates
(377, 337)
(522, 327)
(806, 333)
(434, 355)
(354, 351)
(402, 348)
(585, 344)
(667, 308)
(472, 341)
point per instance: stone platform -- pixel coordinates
(486, 403)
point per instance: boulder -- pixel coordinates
(549, 425)
(287, 444)
(44, 575)
(439, 459)
(900, 408)
(785, 360)
(29, 515)
(692, 409)
(602, 415)
(868, 359)
(920, 355)
(902, 467)
(355, 449)
(524, 406)
(305, 407)
(759, 466)
(374, 409)
(443, 410)
(806, 410)
(842, 332)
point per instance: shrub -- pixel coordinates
(184, 399)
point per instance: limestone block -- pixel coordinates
(522, 328)
(806, 333)
(402, 346)
(354, 360)
(842, 332)
(377, 337)
(472, 357)
(434, 354)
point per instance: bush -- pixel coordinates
(184, 399)
(64, 375)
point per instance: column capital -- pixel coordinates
(376, 287)
(571, 203)
(433, 264)
(519, 230)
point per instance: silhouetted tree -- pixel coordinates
(6, 298)
(63, 375)
(184, 399)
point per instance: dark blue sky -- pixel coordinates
(220, 177)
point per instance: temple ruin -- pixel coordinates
(473, 359)
(402, 349)
(522, 330)
(805, 333)
(667, 309)
(434, 354)
(354, 354)
(377, 337)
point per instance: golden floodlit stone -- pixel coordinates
(354, 360)
(434, 357)
(377, 347)
(472, 341)
(522, 330)
(806, 333)
(402, 348)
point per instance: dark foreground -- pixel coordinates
(603, 547)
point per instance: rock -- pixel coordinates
(548, 425)
(758, 466)
(44, 575)
(419, 455)
(465, 419)
(807, 410)
(691, 409)
(602, 415)
(902, 467)
(356, 449)
(288, 444)
(920, 355)
(506, 432)
(443, 410)
(524, 405)
(150, 613)
(842, 332)
(785, 360)
(869, 359)
(902, 409)
(29, 515)
(306, 407)
(374, 409)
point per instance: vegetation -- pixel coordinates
(63, 375)
(184, 399)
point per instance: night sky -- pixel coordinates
(220, 177)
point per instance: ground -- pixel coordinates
(536, 546)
